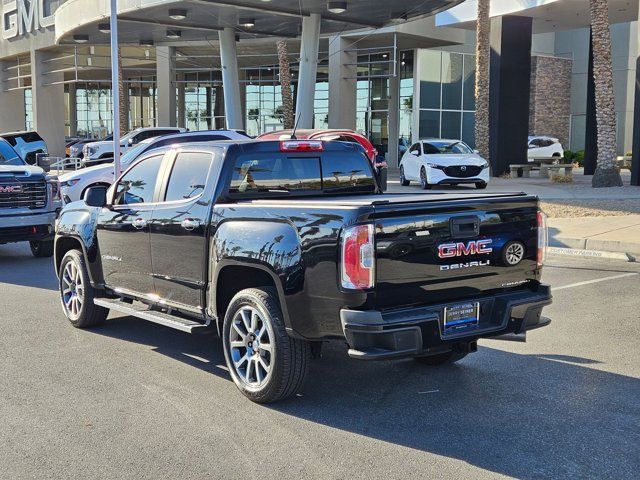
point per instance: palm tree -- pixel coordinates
(607, 173)
(124, 115)
(285, 85)
(483, 52)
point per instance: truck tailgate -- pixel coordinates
(433, 252)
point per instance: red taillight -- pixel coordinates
(301, 146)
(542, 238)
(358, 258)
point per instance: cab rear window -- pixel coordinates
(274, 174)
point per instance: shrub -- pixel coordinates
(579, 158)
(559, 178)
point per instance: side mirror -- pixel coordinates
(415, 152)
(477, 152)
(43, 161)
(96, 196)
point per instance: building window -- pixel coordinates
(93, 110)
(372, 98)
(446, 95)
(406, 99)
(28, 109)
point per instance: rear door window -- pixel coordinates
(275, 174)
(188, 176)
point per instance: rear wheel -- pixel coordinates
(441, 358)
(41, 248)
(403, 180)
(481, 185)
(424, 181)
(77, 294)
(265, 363)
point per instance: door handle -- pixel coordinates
(139, 223)
(190, 223)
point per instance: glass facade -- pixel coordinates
(28, 109)
(446, 95)
(143, 96)
(93, 109)
(203, 101)
(406, 100)
(372, 98)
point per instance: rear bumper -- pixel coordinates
(375, 335)
(20, 228)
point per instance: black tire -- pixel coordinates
(41, 248)
(86, 314)
(403, 180)
(424, 181)
(441, 358)
(288, 357)
(481, 185)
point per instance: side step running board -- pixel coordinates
(140, 311)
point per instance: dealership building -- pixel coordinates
(395, 71)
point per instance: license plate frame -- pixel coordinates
(461, 316)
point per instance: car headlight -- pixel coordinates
(70, 183)
(434, 165)
(485, 165)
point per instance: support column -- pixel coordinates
(591, 129)
(394, 117)
(230, 78)
(12, 112)
(182, 123)
(342, 83)
(48, 104)
(509, 91)
(308, 69)
(635, 159)
(166, 75)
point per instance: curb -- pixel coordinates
(577, 252)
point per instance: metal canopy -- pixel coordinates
(276, 18)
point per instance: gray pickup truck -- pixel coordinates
(29, 202)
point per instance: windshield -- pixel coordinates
(133, 153)
(8, 155)
(438, 147)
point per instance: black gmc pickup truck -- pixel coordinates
(280, 246)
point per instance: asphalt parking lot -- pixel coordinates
(136, 400)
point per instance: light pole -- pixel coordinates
(115, 88)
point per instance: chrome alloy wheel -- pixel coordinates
(514, 253)
(72, 290)
(251, 347)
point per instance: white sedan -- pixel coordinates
(439, 162)
(74, 184)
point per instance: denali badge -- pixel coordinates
(457, 266)
(474, 247)
(10, 188)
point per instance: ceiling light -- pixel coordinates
(337, 7)
(146, 43)
(174, 34)
(177, 13)
(247, 22)
(81, 38)
(104, 28)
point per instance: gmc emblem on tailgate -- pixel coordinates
(10, 188)
(474, 247)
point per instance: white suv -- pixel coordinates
(74, 184)
(102, 152)
(543, 149)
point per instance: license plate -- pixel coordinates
(459, 317)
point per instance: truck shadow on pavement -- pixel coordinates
(19, 267)
(522, 415)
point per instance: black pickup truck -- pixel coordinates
(280, 246)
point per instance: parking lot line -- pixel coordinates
(596, 280)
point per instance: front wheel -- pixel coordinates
(77, 294)
(481, 185)
(424, 181)
(41, 248)
(403, 179)
(265, 363)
